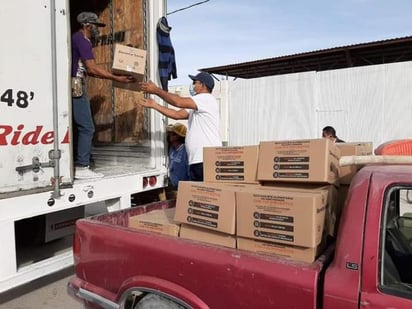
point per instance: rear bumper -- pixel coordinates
(88, 298)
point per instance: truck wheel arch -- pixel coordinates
(168, 291)
(156, 301)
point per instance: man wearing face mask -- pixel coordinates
(83, 65)
(202, 112)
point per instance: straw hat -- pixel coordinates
(178, 128)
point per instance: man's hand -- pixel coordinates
(149, 87)
(168, 112)
(125, 78)
(150, 103)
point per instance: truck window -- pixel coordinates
(396, 243)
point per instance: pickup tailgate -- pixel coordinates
(111, 258)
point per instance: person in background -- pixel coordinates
(83, 65)
(329, 132)
(178, 161)
(202, 112)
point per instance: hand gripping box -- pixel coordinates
(206, 204)
(312, 160)
(230, 164)
(129, 61)
(281, 216)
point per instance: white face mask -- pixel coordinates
(192, 90)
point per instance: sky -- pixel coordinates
(223, 32)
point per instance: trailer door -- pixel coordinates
(34, 95)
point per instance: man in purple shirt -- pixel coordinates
(83, 65)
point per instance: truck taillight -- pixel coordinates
(152, 181)
(76, 248)
(145, 182)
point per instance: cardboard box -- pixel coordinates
(346, 173)
(282, 216)
(208, 236)
(295, 253)
(158, 221)
(313, 160)
(129, 61)
(330, 194)
(206, 204)
(230, 164)
(332, 210)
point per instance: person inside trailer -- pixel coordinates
(83, 66)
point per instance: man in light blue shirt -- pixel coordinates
(178, 160)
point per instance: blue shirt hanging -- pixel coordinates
(167, 62)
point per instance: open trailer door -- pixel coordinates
(34, 96)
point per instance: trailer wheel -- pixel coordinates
(152, 301)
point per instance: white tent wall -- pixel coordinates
(270, 108)
(398, 103)
(371, 103)
(351, 100)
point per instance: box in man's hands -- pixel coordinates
(129, 61)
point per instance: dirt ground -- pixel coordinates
(46, 293)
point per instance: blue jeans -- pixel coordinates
(196, 172)
(83, 120)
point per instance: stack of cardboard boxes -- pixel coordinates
(277, 198)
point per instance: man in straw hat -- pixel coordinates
(178, 162)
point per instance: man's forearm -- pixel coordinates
(168, 112)
(170, 98)
(102, 73)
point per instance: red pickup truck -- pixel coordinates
(368, 266)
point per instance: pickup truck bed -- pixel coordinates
(241, 277)
(367, 267)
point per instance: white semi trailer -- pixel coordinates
(39, 198)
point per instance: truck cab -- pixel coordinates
(369, 268)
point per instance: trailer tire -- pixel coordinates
(153, 301)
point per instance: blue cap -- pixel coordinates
(204, 78)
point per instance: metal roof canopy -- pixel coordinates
(377, 52)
